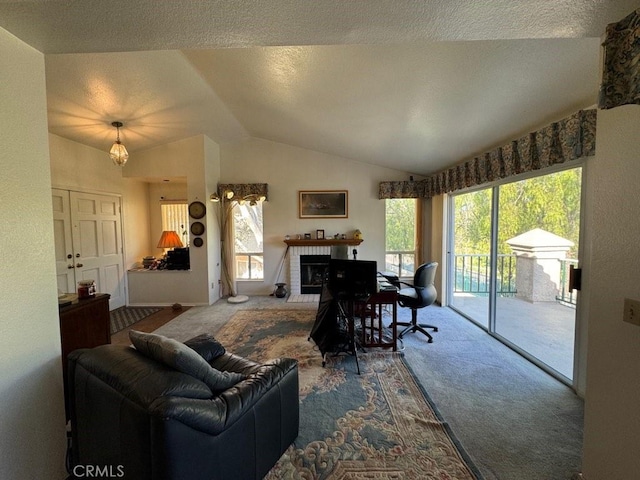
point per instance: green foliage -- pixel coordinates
(550, 202)
(400, 224)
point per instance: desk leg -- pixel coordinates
(394, 326)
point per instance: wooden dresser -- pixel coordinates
(84, 324)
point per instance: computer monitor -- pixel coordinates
(353, 279)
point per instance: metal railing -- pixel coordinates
(566, 294)
(472, 273)
(400, 263)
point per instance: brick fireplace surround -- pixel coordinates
(309, 247)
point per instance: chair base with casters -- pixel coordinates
(414, 327)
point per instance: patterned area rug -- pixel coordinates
(124, 317)
(377, 425)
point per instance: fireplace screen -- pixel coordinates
(313, 268)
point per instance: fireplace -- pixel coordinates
(312, 271)
(300, 248)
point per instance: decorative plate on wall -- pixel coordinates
(197, 209)
(197, 242)
(197, 228)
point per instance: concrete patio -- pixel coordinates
(546, 330)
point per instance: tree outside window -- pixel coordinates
(249, 241)
(400, 240)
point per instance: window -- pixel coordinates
(401, 217)
(248, 241)
(175, 216)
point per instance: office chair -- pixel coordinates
(419, 295)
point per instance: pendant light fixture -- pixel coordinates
(118, 152)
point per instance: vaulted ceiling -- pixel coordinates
(409, 84)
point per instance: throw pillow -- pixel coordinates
(207, 346)
(182, 358)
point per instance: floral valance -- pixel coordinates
(621, 66)
(242, 190)
(569, 139)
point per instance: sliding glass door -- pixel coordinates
(471, 257)
(512, 247)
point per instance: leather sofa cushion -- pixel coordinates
(206, 346)
(184, 359)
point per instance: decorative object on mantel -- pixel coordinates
(621, 65)
(569, 139)
(323, 204)
(357, 235)
(327, 242)
(118, 152)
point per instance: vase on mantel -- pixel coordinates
(281, 291)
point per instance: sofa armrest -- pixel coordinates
(213, 416)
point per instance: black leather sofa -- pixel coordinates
(137, 418)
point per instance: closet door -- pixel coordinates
(88, 236)
(65, 266)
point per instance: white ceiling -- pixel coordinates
(410, 84)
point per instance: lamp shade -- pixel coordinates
(119, 154)
(169, 239)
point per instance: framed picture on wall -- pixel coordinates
(323, 204)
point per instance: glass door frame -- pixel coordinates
(450, 265)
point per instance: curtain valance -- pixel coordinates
(571, 138)
(241, 190)
(621, 66)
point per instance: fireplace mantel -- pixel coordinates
(327, 242)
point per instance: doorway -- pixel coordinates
(88, 243)
(511, 248)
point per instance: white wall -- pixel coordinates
(212, 235)
(288, 169)
(78, 167)
(32, 432)
(612, 403)
(192, 158)
(136, 221)
(86, 169)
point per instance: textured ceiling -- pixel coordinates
(412, 85)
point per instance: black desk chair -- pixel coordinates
(419, 295)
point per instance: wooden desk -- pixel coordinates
(372, 327)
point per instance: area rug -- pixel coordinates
(376, 425)
(124, 317)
